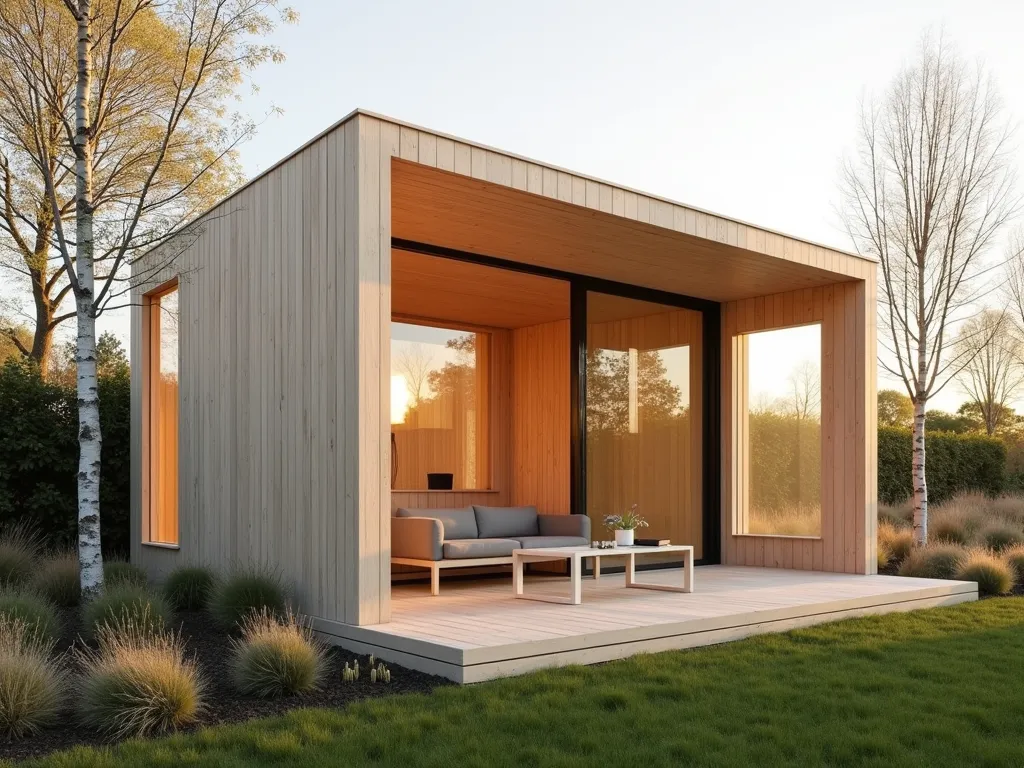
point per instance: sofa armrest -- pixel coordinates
(564, 525)
(418, 538)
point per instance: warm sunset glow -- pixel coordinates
(399, 398)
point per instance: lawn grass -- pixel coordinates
(937, 687)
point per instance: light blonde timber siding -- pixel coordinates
(849, 470)
(285, 316)
(540, 422)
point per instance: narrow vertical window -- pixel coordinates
(162, 395)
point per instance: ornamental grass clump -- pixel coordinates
(189, 588)
(1014, 556)
(897, 541)
(884, 555)
(1000, 536)
(993, 575)
(117, 573)
(32, 681)
(129, 605)
(20, 545)
(276, 656)
(1009, 508)
(951, 528)
(32, 610)
(248, 591)
(935, 561)
(898, 517)
(57, 579)
(138, 683)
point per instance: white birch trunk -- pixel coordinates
(90, 556)
(918, 473)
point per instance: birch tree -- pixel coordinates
(928, 189)
(37, 57)
(149, 78)
(993, 372)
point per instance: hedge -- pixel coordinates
(954, 463)
(39, 455)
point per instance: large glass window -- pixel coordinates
(643, 416)
(161, 355)
(782, 382)
(439, 408)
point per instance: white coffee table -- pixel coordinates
(575, 556)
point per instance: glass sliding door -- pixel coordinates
(644, 416)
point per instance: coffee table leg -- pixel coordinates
(688, 572)
(597, 568)
(630, 569)
(517, 576)
(575, 568)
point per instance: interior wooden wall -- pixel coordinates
(849, 441)
(541, 473)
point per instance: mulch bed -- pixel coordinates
(211, 647)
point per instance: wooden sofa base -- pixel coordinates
(435, 566)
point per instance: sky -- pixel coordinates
(741, 108)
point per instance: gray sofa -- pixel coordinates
(477, 536)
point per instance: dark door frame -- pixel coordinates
(579, 286)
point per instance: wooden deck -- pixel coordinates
(475, 630)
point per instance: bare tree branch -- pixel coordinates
(926, 193)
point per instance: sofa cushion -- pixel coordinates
(461, 549)
(506, 522)
(536, 542)
(458, 523)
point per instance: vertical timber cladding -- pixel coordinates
(846, 312)
(284, 332)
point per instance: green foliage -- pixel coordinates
(785, 462)
(993, 575)
(138, 682)
(276, 657)
(895, 409)
(935, 561)
(959, 423)
(32, 682)
(843, 693)
(127, 604)
(117, 572)
(245, 592)
(39, 454)
(189, 587)
(1000, 536)
(38, 615)
(57, 579)
(955, 463)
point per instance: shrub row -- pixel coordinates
(955, 463)
(39, 455)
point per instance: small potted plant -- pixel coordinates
(624, 525)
